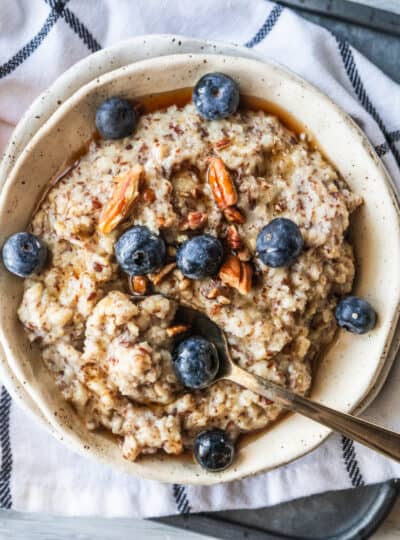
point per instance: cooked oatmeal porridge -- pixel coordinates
(112, 357)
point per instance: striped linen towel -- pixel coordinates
(38, 41)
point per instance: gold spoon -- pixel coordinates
(378, 438)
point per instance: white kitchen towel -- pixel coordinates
(38, 41)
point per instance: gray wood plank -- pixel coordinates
(360, 13)
(382, 49)
(24, 526)
(388, 5)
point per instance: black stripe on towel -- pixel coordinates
(383, 149)
(181, 499)
(350, 461)
(5, 445)
(395, 135)
(78, 27)
(34, 43)
(359, 89)
(266, 28)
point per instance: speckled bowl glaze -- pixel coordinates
(353, 368)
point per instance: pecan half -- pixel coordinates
(233, 239)
(139, 284)
(159, 276)
(221, 184)
(173, 331)
(237, 274)
(125, 193)
(246, 278)
(233, 215)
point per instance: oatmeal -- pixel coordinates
(181, 176)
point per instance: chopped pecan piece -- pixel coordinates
(233, 239)
(233, 215)
(230, 271)
(223, 143)
(139, 284)
(280, 206)
(159, 276)
(173, 331)
(125, 193)
(96, 204)
(221, 184)
(193, 221)
(149, 196)
(237, 274)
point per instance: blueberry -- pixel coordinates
(214, 450)
(355, 315)
(196, 362)
(216, 96)
(279, 243)
(115, 118)
(200, 256)
(139, 251)
(24, 254)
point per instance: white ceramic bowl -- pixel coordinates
(353, 367)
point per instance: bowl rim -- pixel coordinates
(350, 124)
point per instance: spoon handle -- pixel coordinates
(378, 438)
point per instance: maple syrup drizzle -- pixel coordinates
(183, 96)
